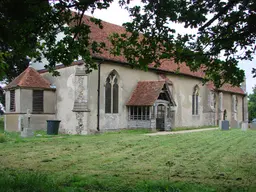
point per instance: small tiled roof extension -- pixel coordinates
(29, 78)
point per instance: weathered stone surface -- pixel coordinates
(80, 107)
(211, 100)
(168, 124)
(245, 103)
(80, 71)
(244, 126)
(80, 103)
(253, 126)
(74, 90)
(234, 124)
(220, 108)
(153, 124)
(139, 124)
(27, 132)
(224, 125)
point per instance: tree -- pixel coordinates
(252, 104)
(30, 28)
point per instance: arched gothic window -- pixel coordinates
(111, 93)
(195, 100)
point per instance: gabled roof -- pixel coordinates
(146, 93)
(29, 78)
(168, 65)
(102, 35)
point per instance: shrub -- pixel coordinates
(2, 138)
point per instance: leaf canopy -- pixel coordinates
(226, 34)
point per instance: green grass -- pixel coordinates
(130, 161)
(2, 136)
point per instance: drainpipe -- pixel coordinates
(98, 102)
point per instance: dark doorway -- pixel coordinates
(160, 118)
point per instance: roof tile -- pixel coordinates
(145, 93)
(168, 65)
(29, 78)
(227, 88)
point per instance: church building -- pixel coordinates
(115, 96)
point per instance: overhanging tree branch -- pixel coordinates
(230, 4)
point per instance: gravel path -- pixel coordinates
(180, 132)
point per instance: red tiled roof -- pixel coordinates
(226, 87)
(146, 93)
(101, 35)
(29, 78)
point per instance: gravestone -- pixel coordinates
(234, 124)
(253, 126)
(27, 130)
(224, 125)
(244, 126)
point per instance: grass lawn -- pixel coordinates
(130, 161)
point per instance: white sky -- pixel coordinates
(116, 15)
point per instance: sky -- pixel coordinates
(116, 15)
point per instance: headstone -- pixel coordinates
(244, 126)
(253, 126)
(234, 124)
(27, 131)
(225, 125)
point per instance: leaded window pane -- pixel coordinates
(12, 101)
(38, 101)
(193, 104)
(115, 97)
(196, 104)
(108, 96)
(135, 113)
(139, 113)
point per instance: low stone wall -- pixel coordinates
(39, 121)
(11, 122)
(15, 122)
(139, 124)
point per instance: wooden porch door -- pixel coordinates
(160, 118)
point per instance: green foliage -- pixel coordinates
(252, 104)
(2, 138)
(43, 21)
(225, 32)
(30, 28)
